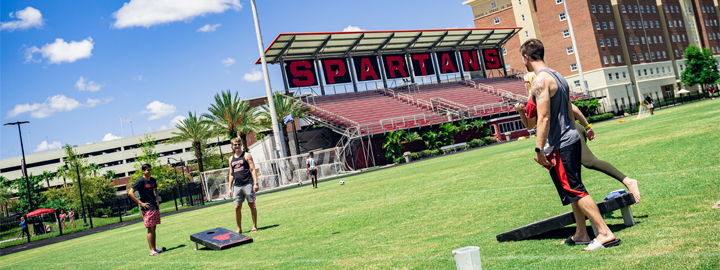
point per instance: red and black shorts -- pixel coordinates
(566, 173)
(151, 218)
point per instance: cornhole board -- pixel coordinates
(623, 203)
(219, 239)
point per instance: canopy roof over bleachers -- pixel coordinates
(305, 46)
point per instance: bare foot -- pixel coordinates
(239, 231)
(632, 186)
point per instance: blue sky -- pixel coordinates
(74, 70)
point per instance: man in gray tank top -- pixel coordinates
(563, 155)
(242, 183)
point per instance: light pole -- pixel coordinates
(82, 202)
(24, 168)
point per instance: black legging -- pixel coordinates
(591, 162)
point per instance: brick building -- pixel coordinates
(628, 48)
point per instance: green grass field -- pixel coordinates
(413, 216)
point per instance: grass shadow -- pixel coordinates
(179, 246)
(563, 233)
(268, 227)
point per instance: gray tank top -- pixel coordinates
(562, 131)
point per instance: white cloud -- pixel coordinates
(146, 13)
(28, 18)
(61, 51)
(109, 137)
(88, 143)
(177, 120)
(44, 146)
(209, 28)
(139, 78)
(228, 62)
(89, 86)
(163, 127)
(159, 110)
(351, 28)
(254, 76)
(57, 103)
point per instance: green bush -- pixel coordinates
(600, 117)
(476, 143)
(103, 211)
(489, 140)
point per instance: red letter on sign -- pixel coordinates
(492, 61)
(447, 64)
(332, 74)
(309, 78)
(366, 69)
(396, 63)
(421, 59)
(470, 61)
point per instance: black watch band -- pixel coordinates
(538, 150)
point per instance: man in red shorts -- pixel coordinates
(149, 203)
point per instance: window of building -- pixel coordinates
(504, 51)
(666, 10)
(675, 23)
(610, 76)
(570, 50)
(647, 8)
(597, 25)
(607, 8)
(641, 56)
(623, 9)
(617, 76)
(651, 71)
(669, 23)
(612, 59)
(604, 25)
(566, 33)
(642, 39)
(645, 72)
(663, 69)
(496, 20)
(680, 23)
(647, 56)
(605, 60)
(608, 42)
(677, 54)
(573, 67)
(657, 24)
(684, 38)
(557, 2)
(624, 76)
(653, 9)
(637, 41)
(493, 5)
(645, 24)
(633, 24)
(634, 57)
(636, 9)
(526, 34)
(652, 54)
(664, 55)
(593, 9)
(577, 83)
(612, 26)
(601, 8)
(631, 41)
(619, 59)
(672, 37)
(660, 38)
(602, 42)
(523, 17)
(657, 70)
(639, 73)
(519, 2)
(654, 39)
(642, 10)
(562, 16)
(627, 25)
(615, 42)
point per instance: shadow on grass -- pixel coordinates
(563, 233)
(179, 246)
(268, 227)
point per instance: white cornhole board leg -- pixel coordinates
(627, 215)
(467, 258)
(196, 246)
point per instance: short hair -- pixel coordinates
(145, 167)
(235, 140)
(311, 153)
(534, 49)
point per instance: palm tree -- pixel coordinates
(432, 140)
(231, 117)
(392, 146)
(94, 168)
(61, 172)
(464, 126)
(196, 131)
(109, 174)
(410, 137)
(47, 175)
(479, 126)
(284, 106)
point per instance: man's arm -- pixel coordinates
(157, 198)
(251, 163)
(230, 176)
(541, 91)
(131, 193)
(583, 121)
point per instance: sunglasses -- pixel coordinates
(236, 144)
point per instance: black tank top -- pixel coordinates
(241, 170)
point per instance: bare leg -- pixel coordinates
(590, 209)
(581, 229)
(238, 217)
(151, 238)
(253, 212)
(632, 186)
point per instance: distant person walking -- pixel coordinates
(650, 104)
(149, 203)
(24, 227)
(312, 169)
(244, 182)
(62, 219)
(71, 216)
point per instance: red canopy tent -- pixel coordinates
(40, 212)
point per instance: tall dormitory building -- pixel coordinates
(628, 48)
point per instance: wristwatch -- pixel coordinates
(538, 150)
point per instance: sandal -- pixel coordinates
(595, 245)
(253, 230)
(570, 241)
(154, 253)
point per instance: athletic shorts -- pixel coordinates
(241, 193)
(313, 172)
(650, 106)
(151, 218)
(566, 173)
